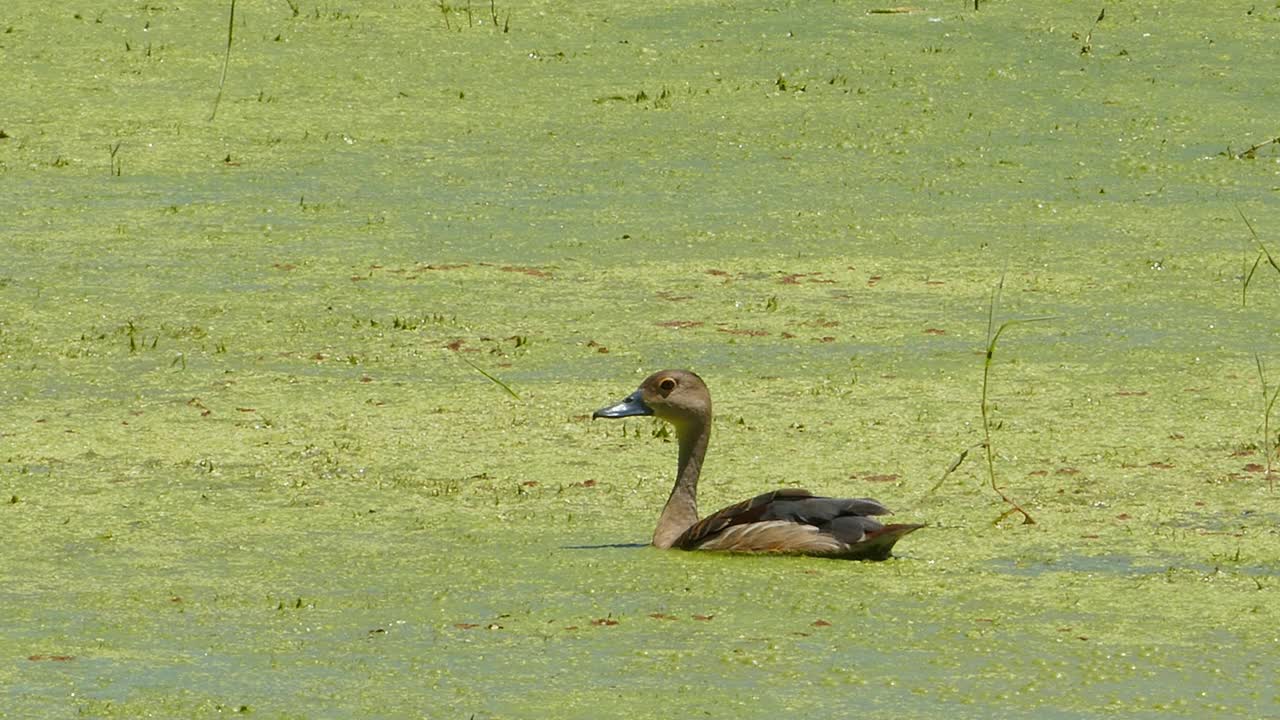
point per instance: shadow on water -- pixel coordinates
(1120, 565)
(604, 547)
(1217, 522)
(1198, 522)
(1100, 564)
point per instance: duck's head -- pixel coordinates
(677, 396)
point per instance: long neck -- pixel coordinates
(681, 510)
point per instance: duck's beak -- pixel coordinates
(629, 407)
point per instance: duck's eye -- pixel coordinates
(666, 385)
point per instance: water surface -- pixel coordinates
(246, 468)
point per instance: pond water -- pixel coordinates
(248, 464)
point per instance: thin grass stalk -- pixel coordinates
(1263, 252)
(993, 338)
(226, 59)
(492, 379)
(1268, 404)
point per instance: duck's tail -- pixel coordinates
(878, 544)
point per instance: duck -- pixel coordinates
(787, 521)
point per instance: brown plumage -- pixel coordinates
(782, 521)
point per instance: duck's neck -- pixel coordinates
(681, 510)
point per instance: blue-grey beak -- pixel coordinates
(629, 407)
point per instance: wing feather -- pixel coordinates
(747, 511)
(773, 536)
(792, 520)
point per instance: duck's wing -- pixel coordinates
(796, 521)
(747, 511)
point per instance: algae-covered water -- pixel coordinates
(248, 464)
